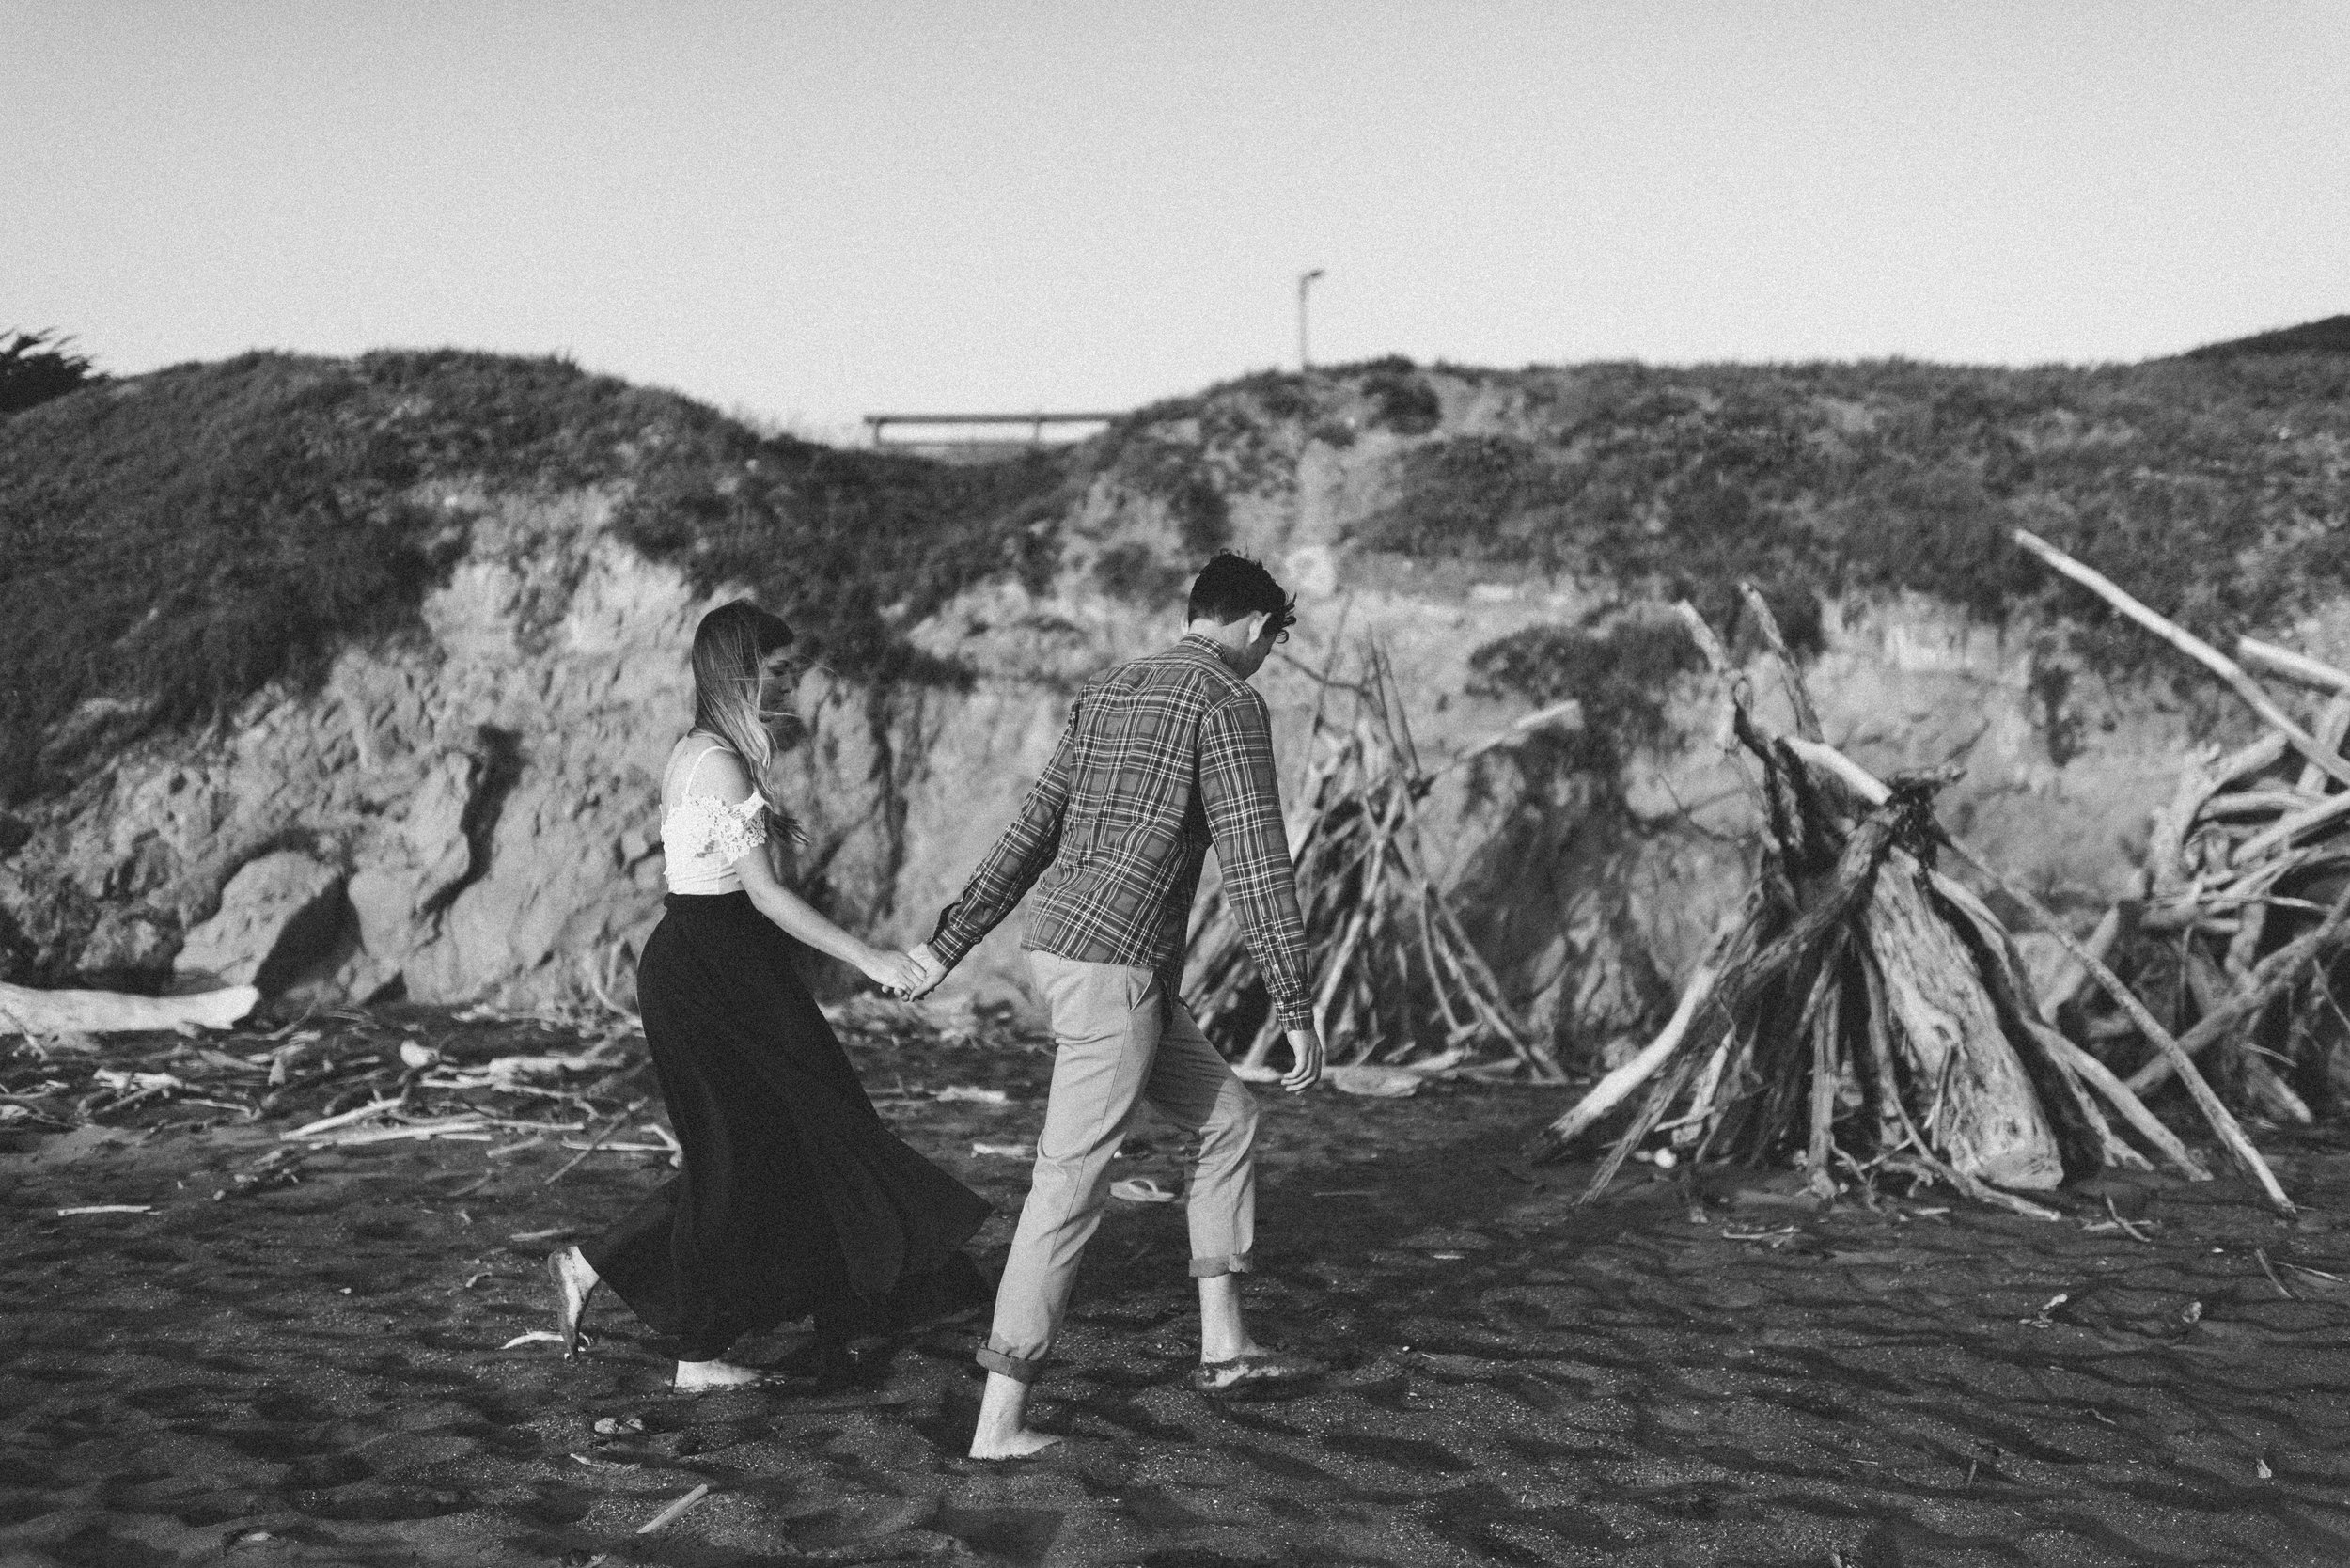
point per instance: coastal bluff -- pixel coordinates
(457, 800)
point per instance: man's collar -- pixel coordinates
(1207, 644)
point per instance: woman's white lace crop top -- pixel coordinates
(702, 836)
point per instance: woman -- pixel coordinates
(794, 1198)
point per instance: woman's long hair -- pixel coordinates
(730, 649)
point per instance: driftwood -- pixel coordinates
(2284, 661)
(27, 1010)
(1398, 979)
(336, 1076)
(2222, 1122)
(1862, 1012)
(1618, 1084)
(2194, 648)
(2249, 855)
(2279, 970)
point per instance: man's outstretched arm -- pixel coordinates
(1241, 792)
(1012, 867)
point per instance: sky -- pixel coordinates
(810, 212)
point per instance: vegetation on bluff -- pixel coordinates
(170, 543)
(2220, 489)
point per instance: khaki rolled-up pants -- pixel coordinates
(1120, 1040)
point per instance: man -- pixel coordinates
(1160, 757)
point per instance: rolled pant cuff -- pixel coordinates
(1231, 1263)
(1013, 1367)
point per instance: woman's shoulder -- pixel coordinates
(702, 764)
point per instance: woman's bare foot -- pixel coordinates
(700, 1378)
(574, 1282)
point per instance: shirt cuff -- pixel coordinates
(948, 944)
(1299, 1014)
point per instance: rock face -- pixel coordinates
(278, 917)
(470, 812)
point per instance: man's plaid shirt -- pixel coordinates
(1161, 756)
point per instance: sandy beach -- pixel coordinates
(303, 1361)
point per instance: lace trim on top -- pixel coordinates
(703, 827)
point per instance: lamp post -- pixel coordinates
(1305, 360)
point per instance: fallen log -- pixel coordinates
(27, 1010)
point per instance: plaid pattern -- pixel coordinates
(1161, 756)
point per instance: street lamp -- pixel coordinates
(1305, 361)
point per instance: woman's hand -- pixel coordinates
(899, 974)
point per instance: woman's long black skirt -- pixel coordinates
(795, 1200)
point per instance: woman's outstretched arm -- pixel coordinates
(794, 915)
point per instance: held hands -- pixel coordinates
(897, 973)
(932, 970)
(1306, 1053)
(910, 974)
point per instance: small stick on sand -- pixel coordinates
(2127, 1229)
(670, 1513)
(609, 1128)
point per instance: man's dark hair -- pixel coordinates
(1232, 585)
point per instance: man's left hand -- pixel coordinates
(1305, 1061)
(932, 970)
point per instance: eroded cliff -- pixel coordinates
(462, 805)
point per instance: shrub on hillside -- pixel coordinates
(36, 367)
(1401, 396)
(1622, 677)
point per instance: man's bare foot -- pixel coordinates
(1019, 1444)
(1003, 1430)
(574, 1281)
(1253, 1369)
(700, 1378)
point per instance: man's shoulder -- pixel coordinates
(1184, 668)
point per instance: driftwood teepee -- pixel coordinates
(1395, 975)
(1863, 1013)
(2246, 900)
